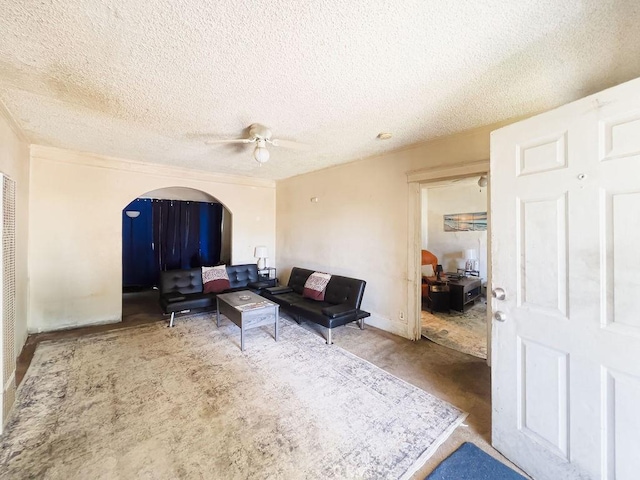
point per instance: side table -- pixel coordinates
(267, 273)
(437, 295)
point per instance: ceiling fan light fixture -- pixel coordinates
(260, 136)
(261, 154)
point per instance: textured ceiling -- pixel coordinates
(150, 80)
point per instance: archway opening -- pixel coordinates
(166, 229)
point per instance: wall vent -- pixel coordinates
(8, 296)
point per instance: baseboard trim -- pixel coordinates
(387, 325)
(69, 326)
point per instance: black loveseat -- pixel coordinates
(182, 290)
(341, 305)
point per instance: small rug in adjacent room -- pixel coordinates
(468, 462)
(465, 332)
(185, 402)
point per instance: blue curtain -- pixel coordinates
(176, 234)
(168, 234)
(210, 233)
(138, 265)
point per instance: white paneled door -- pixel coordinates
(565, 210)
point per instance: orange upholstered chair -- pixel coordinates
(428, 258)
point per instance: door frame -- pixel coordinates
(416, 180)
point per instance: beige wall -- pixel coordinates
(14, 162)
(359, 226)
(449, 247)
(75, 247)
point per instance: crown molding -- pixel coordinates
(88, 159)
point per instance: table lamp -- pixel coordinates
(261, 254)
(472, 260)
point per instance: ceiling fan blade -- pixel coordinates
(231, 140)
(276, 142)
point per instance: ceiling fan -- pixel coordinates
(260, 135)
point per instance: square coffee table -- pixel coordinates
(247, 310)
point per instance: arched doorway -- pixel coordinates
(164, 229)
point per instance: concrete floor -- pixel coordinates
(460, 379)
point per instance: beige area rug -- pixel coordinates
(154, 402)
(464, 332)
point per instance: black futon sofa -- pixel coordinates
(182, 290)
(341, 305)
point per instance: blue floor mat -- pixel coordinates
(468, 462)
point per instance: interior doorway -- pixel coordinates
(169, 228)
(432, 177)
(454, 264)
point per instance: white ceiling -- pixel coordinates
(150, 80)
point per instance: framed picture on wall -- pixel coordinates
(465, 222)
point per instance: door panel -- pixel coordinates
(622, 421)
(542, 246)
(542, 154)
(565, 240)
(619, 137)
(544, 395)
(622, 211)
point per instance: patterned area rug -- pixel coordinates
(154, 402)
(464, 332)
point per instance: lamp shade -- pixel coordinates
(470, 254)
(260, 252)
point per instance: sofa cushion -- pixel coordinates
(242, 275)
(298, 278)
(181, 281)
(279, 290)
(345, 290)
(427, 271)
(262, 284)
(335, 311)
(311, 309)
(237, 289)
(215, 279)
(283, 299)
(315, 285)
(175, 297)
(192, 300)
